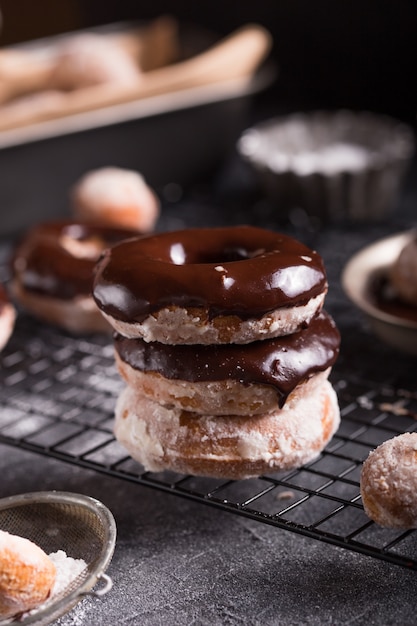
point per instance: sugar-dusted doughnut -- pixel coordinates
(117, 197)
(403, 272)
(210, 285)
(232, 447)
(7, 317)
(52, 272)
(27, 575)
(89, 59)
(230, 379)
(389, 482)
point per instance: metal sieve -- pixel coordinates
(80, 526)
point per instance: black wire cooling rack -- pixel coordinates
(57, 399)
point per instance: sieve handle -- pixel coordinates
(108, 584)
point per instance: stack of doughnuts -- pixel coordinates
(225, 347)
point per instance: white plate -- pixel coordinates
(359, 273)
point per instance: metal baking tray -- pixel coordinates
(173, 137)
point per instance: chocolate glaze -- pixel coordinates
(42, 265)
(282, 363)
(387, 300)
(242, 270)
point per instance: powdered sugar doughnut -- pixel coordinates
(389, 482)
(53, 267)
(210, 286)
(27, 575)
(7, 317)
(232, 447)
(116, 196)
(230, 379)
(89, 59)
(403, 272)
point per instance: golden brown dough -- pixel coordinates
(27, 575)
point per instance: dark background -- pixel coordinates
(357, 54)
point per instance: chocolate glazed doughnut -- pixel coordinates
(210, 286)
(231, 379)
(52, 272)
(233, 447)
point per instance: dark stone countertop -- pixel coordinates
(178, 562)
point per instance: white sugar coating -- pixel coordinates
(226, 446)
(179, 325)
(389, 482)
(116, 195)
(88, 59)
(29, 578)
(20, 545)
(305, 149)
(113, 185)
(331, 159)
(67, 570)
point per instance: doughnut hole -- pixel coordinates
(389, 483)
(117, 197)
(27, 575)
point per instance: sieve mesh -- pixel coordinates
(55, 526)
